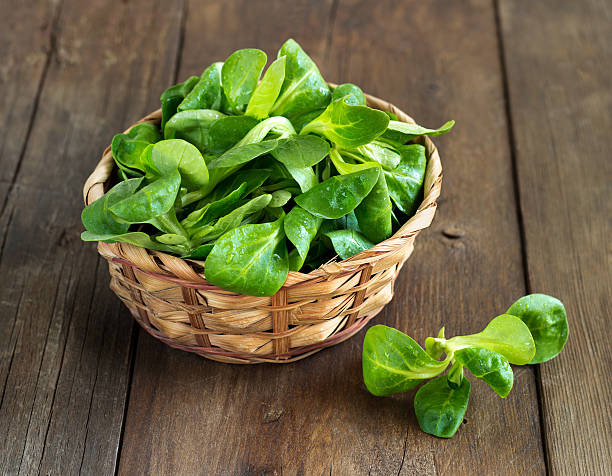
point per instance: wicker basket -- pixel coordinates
(172, 301)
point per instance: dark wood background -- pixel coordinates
(525, 207)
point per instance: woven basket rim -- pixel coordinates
(189, 272)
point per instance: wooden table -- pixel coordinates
(526, 207)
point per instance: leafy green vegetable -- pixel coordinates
(547, 321)
(149, 202)
(215, 209)
(439, 408)
(304, 89)
(207, 92)
(304, 176)
(301, 228)
(489, 366)
(412, 131)
(347, 125)
(279, 126)
(347, 243)
(338, 195)
(127, 148)
(136, 238)
(210, 232)
(380, 152)
(193, 126)
(97, 217)
(279, 198)
(374, 212)
(267, 90)
(301, 151)
(166, 156)
(350, 93)
(173, 96)
(201, 252)
(394, 363)
(239, 76)
(405, 182)
(226, 132)
(300, 120)
(250, 259)
(229, 157)
(505, 334)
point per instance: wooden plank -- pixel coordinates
(187, 415)
(25, 42)
(65, 339)
(559, 59)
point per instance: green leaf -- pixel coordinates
(250, 259)
(207, 92)
(164, 157)
(489, 366)
(338, 195)
(229, 221)
(239, 76)
(411, 131)
(238, 156)
(172, 239)
(149, 202)
(374, 213)
(301, 151)
(213, 210)
(505, 334)
(405, 182)
(173, 96)
(547, 321)
(136, 238)
(98, 219)
(267, 90)
(348, 243)
(439, 408)
(380, 152)
(304, 176)
(127, 148)
(304, 89)
(226, 132)
(350, 93)
(201, 252)
(279, 198)
(253, 178)
(348, 126)
(393, 362)
(345, 168)
(301, 228)
(300, 120)
(192, 126)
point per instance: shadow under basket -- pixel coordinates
(172, 301)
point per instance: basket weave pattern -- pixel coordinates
(171, 299)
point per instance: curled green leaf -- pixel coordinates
(489, 366)
(393, 362)
(439, 408)
(546, 319)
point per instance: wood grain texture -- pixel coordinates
(559, 58)
(65, 340)
(26, 40)
(187, 415)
